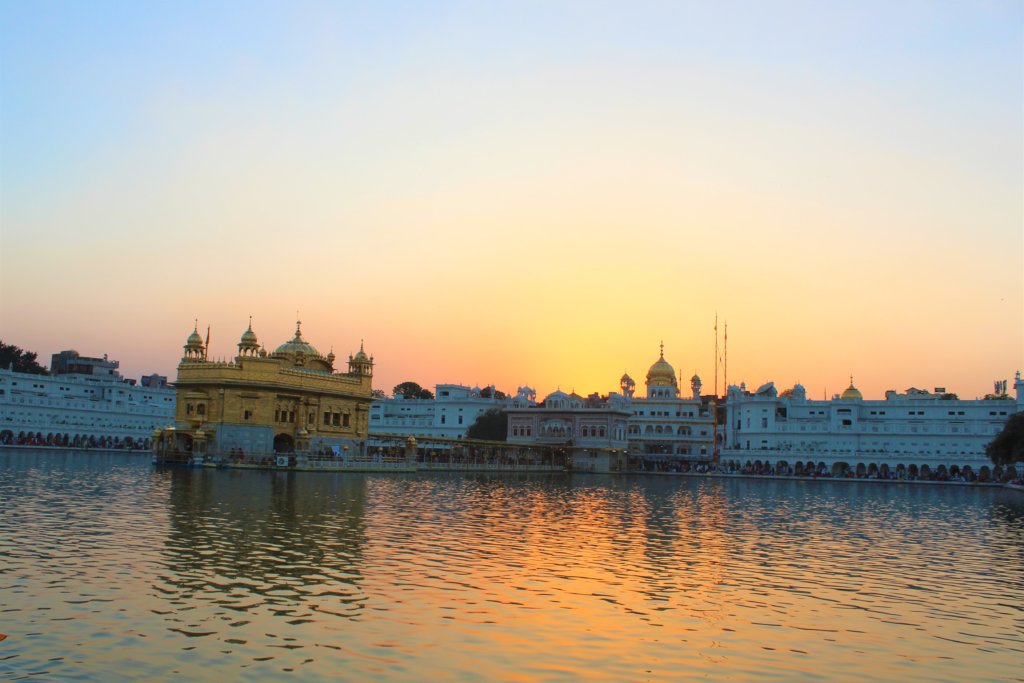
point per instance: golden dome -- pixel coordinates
(661, 373)
(249, 337)
(297, 345)
(852, 393)
(194, 339)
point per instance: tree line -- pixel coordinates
(19, 360)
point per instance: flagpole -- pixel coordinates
(725, 381)
(714, 402)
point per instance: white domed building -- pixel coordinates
(665, 427)
(590, 432)
(911, 435)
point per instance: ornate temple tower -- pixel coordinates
(627, 385)
(289, 400)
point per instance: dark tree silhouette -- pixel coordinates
(1008, 446)
(20, 361)
(411, 390)
(491, 425)
(498, 394)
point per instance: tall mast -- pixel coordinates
(714, 401)
(725, 378)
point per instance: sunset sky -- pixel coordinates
(522, 193)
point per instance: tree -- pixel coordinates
(491, 425)
(20, 361)
(377, 394)
(486, 393)
(411, 390)
(1008, 446)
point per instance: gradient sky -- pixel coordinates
(522, 193)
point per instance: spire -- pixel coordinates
(662, 348)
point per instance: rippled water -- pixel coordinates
(113, 570)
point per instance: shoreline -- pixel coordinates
(914, 482)
(629, 473)
(72, 449)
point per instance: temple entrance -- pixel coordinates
(284, 443)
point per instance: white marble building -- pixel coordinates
(665, 425)
(92, 403)
(448, 415)
(591, 431)
(904, 431)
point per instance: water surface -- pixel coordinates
(113, 570)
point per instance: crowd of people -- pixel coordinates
(956, 474)
(8, 438)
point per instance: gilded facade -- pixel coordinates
(285, 401)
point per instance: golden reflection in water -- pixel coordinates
(264, 540)
(224, 574)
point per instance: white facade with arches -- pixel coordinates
(665, 425)
(905, 431)
(591, 430)
(448, 415)
(81, 410)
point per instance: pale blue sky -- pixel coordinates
(809, 145)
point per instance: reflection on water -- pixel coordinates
(112, 570)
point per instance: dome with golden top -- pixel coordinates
(194, 339)
(194, 350)
(249, 337)
(661, 373)
(852, 393)
(248, 345)
(297, 345)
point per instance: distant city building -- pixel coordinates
(907, 431)
(289, 400)
(448, 415)
(71, 363)
(156, 381)
(84, 402)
